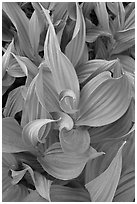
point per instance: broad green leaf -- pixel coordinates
(11, 136)
(63, 72)
(100, 49)
(10, 192)
(75, 47)
(14, 69)
(36, 131)
(113, 7)
(103, 187)
(102, 15)
(7, 33)
(75, 141)
(7, 80)
(102, 101)
(46, 90)
(121, 15)
(34, 197)
(60, 193)
(117, 130)
(21, 22)
(130, 17)
(63, 166)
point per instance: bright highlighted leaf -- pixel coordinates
(104, 100)
(103, 187)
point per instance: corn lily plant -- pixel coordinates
(74, 138)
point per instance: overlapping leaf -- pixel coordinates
(102, 100)
(63, 166)
(103, 187)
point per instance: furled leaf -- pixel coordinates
(11, 136)
(102, 101)
(103, 187)
(75, 47)
(60, 193)
(63, 72)
(36, 131)
(64, 166)
(67, 101)
(75, 141)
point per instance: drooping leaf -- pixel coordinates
(75, 47)
(102, 101)
(60, 193)
(11, 136)
(103, 187)
(34, 197)
(75, 141)
(63, 72)
(130, 20)
(64, 166)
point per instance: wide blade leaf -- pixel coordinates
(103, 187)
(102, 101)
(63, 166)
(34, 197)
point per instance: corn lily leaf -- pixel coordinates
(11, 136)
(125, 40)
(92, 68)
(102, 15)
(42, 185)
(126, 187)
(34, 31)
(130, 21)
(67, 101)
(63, 166)
(93, 33)
(36, 131)
(75, 141)
(117, 130)
(113, 7)
(7, 33)
(104, 92)
(103, 187)
(46, 91)
(14, 102)
(7, 80)
(63, 72)
(32, 109)
(21, 22)
(60, 193)
(34, 197)
(100, 49)
(10, 192)
(6, 58)
(127, 62)
(75, 47)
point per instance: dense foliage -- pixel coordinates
(68, 102)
